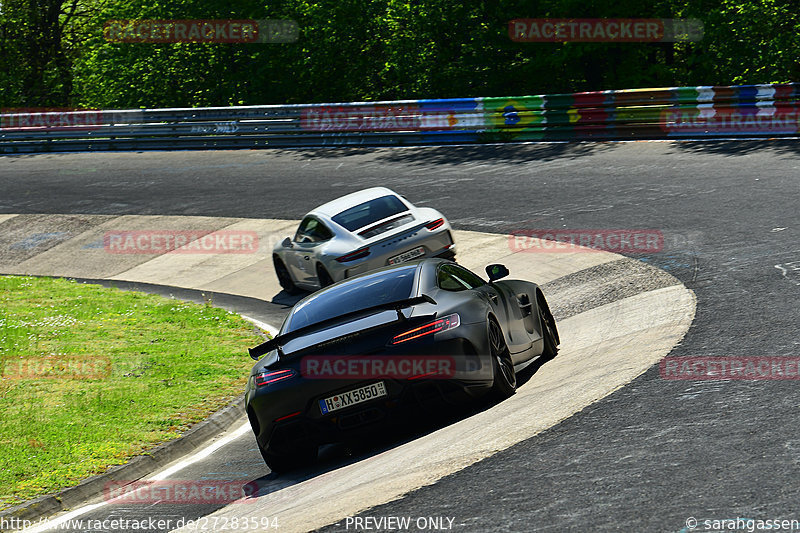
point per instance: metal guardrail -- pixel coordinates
(678, 112)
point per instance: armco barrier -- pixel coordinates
(718, 111)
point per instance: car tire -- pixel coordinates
(549, 334)
(280, 463)
(284, 278)
(323, 277)
(505, 378)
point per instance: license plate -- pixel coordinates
(353, 397)
(407, 256)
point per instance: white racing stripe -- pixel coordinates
(262, 325)
(163, 474)
(202, 454)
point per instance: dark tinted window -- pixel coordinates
(454, 278)
(312, 230)
(472, 280)
(374, 289)
(369, 212)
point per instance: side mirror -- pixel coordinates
(287, 243)
(496, 272)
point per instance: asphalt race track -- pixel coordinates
(649, 456)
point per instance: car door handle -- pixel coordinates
(306, 257)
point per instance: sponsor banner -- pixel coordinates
(762, 119)
(379, 117)
(730, 368)
(383, 366)
(586, 240)
(180, 241)
(616, 30)
(56, 367)
(450, 113)
(200, 31)
(523, 112)
(426, 115)
(172, 491)
(51, 118)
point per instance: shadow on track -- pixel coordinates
(515, 153)
(507, 154)
(417, 423)
(739, 148)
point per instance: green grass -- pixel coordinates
(91, 376)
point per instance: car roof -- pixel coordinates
(334, 207)
(418, 263)
(324, 296)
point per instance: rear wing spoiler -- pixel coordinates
(279, 340)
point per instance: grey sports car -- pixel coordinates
(356, 354)
(356, 233)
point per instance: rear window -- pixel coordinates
(369, 212)
(373, 289)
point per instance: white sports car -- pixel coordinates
(359, 232)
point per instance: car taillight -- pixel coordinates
(439, 222)
(268, 377)
(437, 326)
(352, 256)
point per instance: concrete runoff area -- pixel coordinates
(604, 345)
(86, 255)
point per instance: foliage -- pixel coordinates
(349, 50)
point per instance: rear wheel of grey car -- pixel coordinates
(505, 378)
(279, 463)
(283, 276)
(324, 278)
